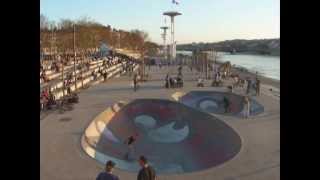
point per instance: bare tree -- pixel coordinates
(90, 35)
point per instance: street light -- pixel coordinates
(74, 51)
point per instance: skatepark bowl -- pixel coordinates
(175, 138)
(213, 102)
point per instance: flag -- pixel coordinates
(175, 2)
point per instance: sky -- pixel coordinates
(201, 20)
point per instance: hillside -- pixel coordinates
(257, 46)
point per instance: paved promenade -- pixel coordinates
(62, 157)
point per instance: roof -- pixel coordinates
(172, 13)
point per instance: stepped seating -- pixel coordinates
(56, 85)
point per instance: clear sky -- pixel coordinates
(201, 20)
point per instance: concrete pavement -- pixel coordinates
(62, 158)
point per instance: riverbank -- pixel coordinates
(243, 73)
(267, 66)
(264, 80)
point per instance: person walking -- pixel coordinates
(146, 172)
(246, 107)
(107, 175)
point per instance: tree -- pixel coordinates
(151, 48)
(89, 35)
(44, 22)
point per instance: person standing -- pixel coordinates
(135, 82)
(218, 76)
(146, 172)
(167, 84)
(248, 85)
(180, 70)
(107, 175)
(226, 104)
(246, 107)
(105, 75)
(258, 87)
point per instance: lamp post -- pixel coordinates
(62, 74)
(164, 35)
(74, 53)
(172, 15)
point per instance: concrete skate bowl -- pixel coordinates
(175, 138)
(213, 102)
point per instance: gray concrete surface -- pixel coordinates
(168, 132)
(62, 158)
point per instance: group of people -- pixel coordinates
(174, 82)
(250, 84)
(218, 78)
(107, 62)
(146, 172)
(171, 82)
(47, 99)
(246, 106)
(256, 85)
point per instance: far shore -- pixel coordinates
(241, 53)
(255, 53)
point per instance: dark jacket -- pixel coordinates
(147, 173)
(107, 176)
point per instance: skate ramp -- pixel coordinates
(213, 102)
(174, 137)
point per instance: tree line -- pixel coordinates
(260, 46)
(89, 35)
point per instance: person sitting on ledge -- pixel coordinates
(200, 82)
(94, 75)
(44, 77)
(45, 94)
(74, 98)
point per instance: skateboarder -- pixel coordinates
(129, 141)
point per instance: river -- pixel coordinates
(268, 66)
